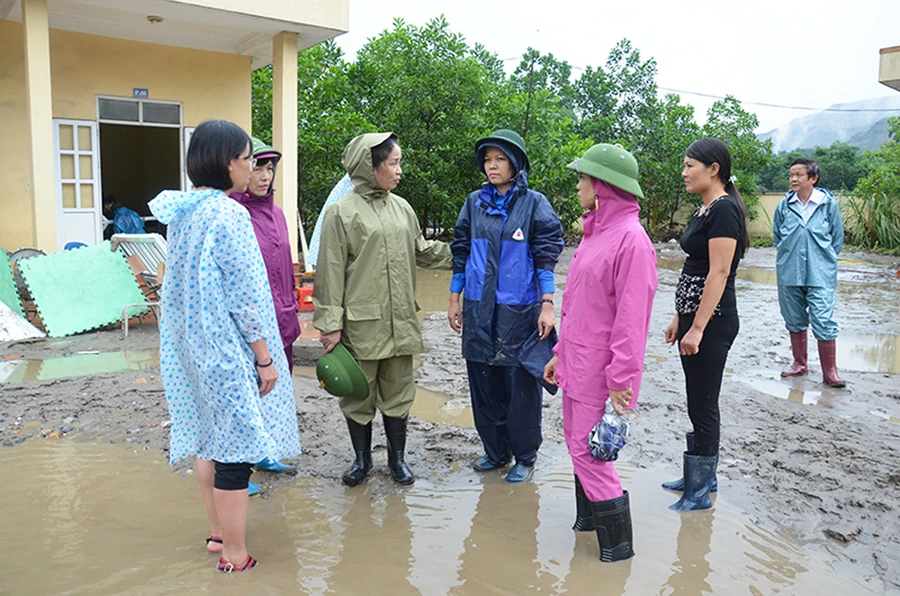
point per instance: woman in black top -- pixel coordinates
(706, 319)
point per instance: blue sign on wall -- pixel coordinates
(140, 93)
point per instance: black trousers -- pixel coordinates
(703, 378)
(232, 476)
(507, 403)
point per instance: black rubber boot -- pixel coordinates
(583, 520)
(679, 484)
(395, 431)
(699, 471)
(361, 437)
(612, 519)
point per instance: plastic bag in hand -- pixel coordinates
(608, 436)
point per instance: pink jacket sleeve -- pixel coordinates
(636, 281)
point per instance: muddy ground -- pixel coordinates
(827, 473)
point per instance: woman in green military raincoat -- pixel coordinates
(365, 295)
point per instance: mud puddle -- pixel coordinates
(849, 272)
(752, 274)
(76, 365)
(878, 352)
(431, 406)
(107, 520)
(808, 391)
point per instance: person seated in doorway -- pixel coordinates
(124, 220)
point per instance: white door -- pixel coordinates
(78, 204)
(186, 133)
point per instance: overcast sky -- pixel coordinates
(814, 53)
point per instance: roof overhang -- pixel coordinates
(889, 67)
(230, 26)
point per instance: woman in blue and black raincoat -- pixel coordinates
(507, 241)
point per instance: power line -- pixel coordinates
(754, 103)
(777, 105)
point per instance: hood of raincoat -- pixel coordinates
(169, 205)
(254, 204)
(613, 206)
(357, 161)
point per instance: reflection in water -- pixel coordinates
(441, 521)
(375, 552)
(879, 352)
(441, 408)
(430, 406)
(110, 520)
(432, 290)
(776, 565)
(79, 365)
(690, 569)
(751, 274)
(808, 391)
(505, 521)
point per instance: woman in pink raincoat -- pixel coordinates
(603, 334)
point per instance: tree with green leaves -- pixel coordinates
(660, 153)
(327, 119)
(874, 220)
(842, 166)
(439, 94)
(425, 84)
(727, 120)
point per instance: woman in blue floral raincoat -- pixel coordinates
(230, 397)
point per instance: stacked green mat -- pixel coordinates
(79, 290)
(9, 293)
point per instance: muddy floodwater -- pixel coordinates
(111, 520)
(809, 476)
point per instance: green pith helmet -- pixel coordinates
(260, 150)
(340, 375)
(613, 165)
(511, 144)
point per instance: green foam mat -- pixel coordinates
(9, 293)
(78, 290)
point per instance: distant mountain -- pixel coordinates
(866, 130)
(872, 138)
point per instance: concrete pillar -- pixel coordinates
(284, 128)
(40, 123)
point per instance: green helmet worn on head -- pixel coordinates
(613, 165)
(260, 150)
(510, 142)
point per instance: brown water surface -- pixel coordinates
(431, 406)
(77, 365)
(87, 519)
(808, 390)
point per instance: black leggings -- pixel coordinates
(703, 378)
(232, 476)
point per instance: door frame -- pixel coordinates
(76, 152)
(182, 132)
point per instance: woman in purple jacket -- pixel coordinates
(272, 231)
(603, 334)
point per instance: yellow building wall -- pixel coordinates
(15, 200)
(208, 85)
(761, 227)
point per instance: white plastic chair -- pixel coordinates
(151, 250)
